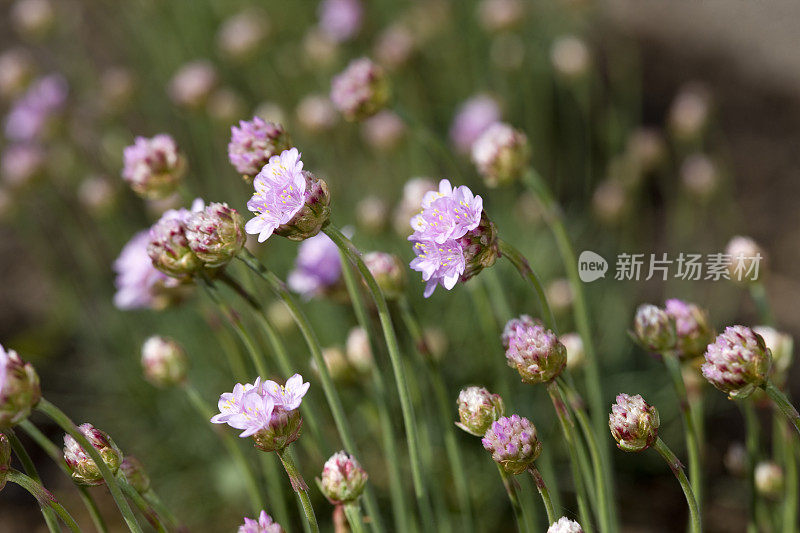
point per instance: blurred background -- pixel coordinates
(661, 127)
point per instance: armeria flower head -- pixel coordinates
(737, 362)
(19, 388)
(253, 143)
(633, 423)
(472, 118)
(343, 478)
(448, 213)
(169, 246)
(747, 259)
(135, 474)
(84, 469)
(501, 154)
(534, 351)
(288, 396)
(565, 525)
(230, 403)
(692, 328)
(513, 442)
(340, 20)
(361, 90)
(140, 284)
(164, 361)
(5, 459)
(215, 234)
(288, 200)
(265, 524)
(318, 267)
(478, 409)
(653, 328)
(153, 167)
(388, 271)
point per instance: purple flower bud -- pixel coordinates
(153, 167)
(288, 201)
(501, 154)
(654, 329)
(169, 245)
(534, 351)
(692, 328)
(316, 114)
(19, 388)
(5, 459)
(164, 362)
(388, 271)
(31, 113)
(84, 469)
(513, 443)
(361, 90)
(215, 234)
(265, 524)
(565, 525)
(478, 409)
(343, 479)
(135, 474)
(737, 362)
(769, 479)
(473, 118)
(633, 423)
(139, 284)
(253, 143)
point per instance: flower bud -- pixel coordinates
(84, 469)
(478, 409)
(500, 15)
(215, 234)
(388, 271)
(336, 362)
(153, 167)
(689, 112)
(501, 154)
(343, 479)
(480, 248)
(633, 423)
(700, 176)
(576, 355)
(361, 90)
(5, 459)
(283, 429)
(168, 247)
(610, 201)
(646, 149)
(359, 351)
(782, 347)
(653, 328)
(692, 328)
(316, 114)
(513, 442)
(559, 295)
(16, 70)
(395, 45)
(534, 351)
(565, 525)
(164, 362)
(21, 164)
(737, 362)
(265, 524)
(383, 131)
(747, 259)
(33, 18)
(253, 143)
(135, 474)
(19, 388)
(769, 480)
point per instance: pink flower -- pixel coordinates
(138, 281)
(473, 118)
(265, 524)
(340, 19)
(287, 396)
(280, 194)
(448, 213)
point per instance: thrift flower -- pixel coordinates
(215, 234)
(653, 328)
(153, 167)
(747, 259)
(478, 409)
(288, 396)
(361, 90)
(19, 388)
(318, 267)
(343, 479)
(570, 57)
(265, 524)
(472, 118)
(169, 246)
(634, 423)
(692, 328)
(413, 192)
(383, 131)
(164, 361)
(135, 474)
(576, 354)
(340, 20)
(253, 143)
(20, 163)
(513, 443)
(534, 351)
(565, 525)
(501, 154)
(288, 200)
(395, 45)
(737, 362)
(316, 113)
(139, 284)
(240, 35)
(84, 469)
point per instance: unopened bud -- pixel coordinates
(343, 479)
(654, 329)
(19, 388)
(135, 474)
(478, 409)
(633, 423)
(84, 469)
(164, 362)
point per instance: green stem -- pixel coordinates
(692, 443)
(542, 487)
(43, 496)
(752, 431)
(527, 273)
(783, 403)
(759, 294)
(155, 502)
(67, 425)
(513, 496)
(353, 513)
(790, 464)
(299, 486)
(406, 406)
(147, 511)
(677, 469)
(30, 469)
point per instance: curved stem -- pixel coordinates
(63, 421)
(783, 403)
(353, 513)
(145, 508)
(155, 502)
(30, 469)
(299, 486)
(527, 273)
(513, 496)
(677, 469)
(43, 496)
(542, 487)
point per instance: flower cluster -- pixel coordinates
(253, 143)
(692, 328)
(565, 525)
(388, 271)
(737, 362)
(169, 248)
(453, 239)
(19, 388)
(84, 469)
(633, 423)
(318, 267)
(265, 524)
(340, 20)
(361, 90)
(215, 234)
(343, 478)
(288, 201)
(513, 442)
(534, 351)
(478, 409)
(153, 167)
(653, 328)
(164, 361)
(266, 411)
(501, 154)
(139, 284)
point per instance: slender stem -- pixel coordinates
(406, 406)
(145, 508)
(30, 469)
(43, 496)
(353, 513)
(677, 469)
(513, 496)
(331, 395)
(155, 502)
(542, 487)
(497, 295)
(299, 486)
(692, 443)
(69, 426)
(783, 403)
(759, 294)
(752, 431)
(790, 463)
(527, 273)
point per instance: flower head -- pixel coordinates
(358, 350)
(153, 167)
(84, 469)
(653, 328)
(340, 20)
(565, 525)
(164, 361)
(265, 524)
(361, 90)
(633, 423)
(692, 328)
(169, 245)
(135, 474)
(478, 409)
(513, 443)
(288, 396)
(447, 214)
(534, 351)
(746, 259)
(576, 355)
(288, 200)
(215, 234)
(343, 479)
(241, 34)
(29, 115)
(139, 283)
(570, 57)
(388, 271)
(20, 163)
(318, 267)
(737, 362)
(501, 154)
(19, 388)
(472, 118)
(253, 143)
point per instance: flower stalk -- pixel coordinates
(782, 402)
(677, 469)
(353, 513)
(542, 488)
(30, 469)
(43, 496)
(299, 486)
